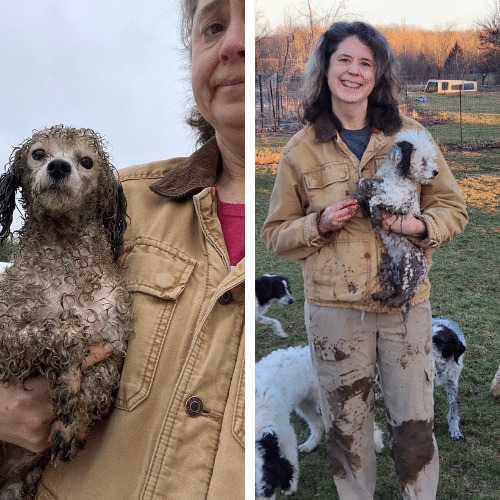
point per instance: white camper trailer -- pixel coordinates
(447, 86)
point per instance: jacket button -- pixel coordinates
(194, 406)
(226, 298)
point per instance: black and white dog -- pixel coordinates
(448, 342)
(271, 288)
(285, 382)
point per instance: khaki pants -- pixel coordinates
(346, 344)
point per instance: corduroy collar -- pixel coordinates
(324, 130)
(192, 175)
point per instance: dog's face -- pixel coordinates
(62, 172)
(415, 156)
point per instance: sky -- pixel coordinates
(95, 64)
(424, 13)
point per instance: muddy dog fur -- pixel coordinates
(63, 291)
(393, 189)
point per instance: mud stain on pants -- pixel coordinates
(340, 445)
(412, 448)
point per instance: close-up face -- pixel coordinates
(351, 74)
(63, 173)
(218, 62)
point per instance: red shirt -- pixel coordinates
(232, 221)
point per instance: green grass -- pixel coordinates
(480, 120)
(465, 281)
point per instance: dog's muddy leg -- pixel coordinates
(94, 397)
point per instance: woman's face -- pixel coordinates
(218, 62)
(351, 74)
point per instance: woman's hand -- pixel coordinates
(336, 215)
(408, 225)
(26, 414)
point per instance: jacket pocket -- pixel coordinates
(156, 274)
(327, 183)
(342, 270)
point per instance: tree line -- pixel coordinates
(423, 54)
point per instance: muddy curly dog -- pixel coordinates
(62, 292)
(393, 189)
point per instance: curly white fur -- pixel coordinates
(393, 189)
(285, 382)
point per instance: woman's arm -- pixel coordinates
(26, 414)
(288, 230)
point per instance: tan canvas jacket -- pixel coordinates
(318, 169)
(159, 442)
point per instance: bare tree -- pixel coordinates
(317, 20)
(489, 35)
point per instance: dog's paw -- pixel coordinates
(64, 447)
(380, 296)
(457, 436)
(280, 333)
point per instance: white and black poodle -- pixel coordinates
(393, 189)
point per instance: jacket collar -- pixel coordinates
(324, 130)
(192, 175)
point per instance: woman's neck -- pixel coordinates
(231, 184)
(352, 116)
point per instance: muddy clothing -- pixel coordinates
(344, 358)
(318, 169)
(177, 429)
(348, 331)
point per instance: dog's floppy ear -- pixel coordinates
(404, 164)
(115, 220)
(9, 184)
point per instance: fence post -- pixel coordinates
(261, 103)
(461, 130)
(278, 98)
(272, 102)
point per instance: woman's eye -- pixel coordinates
(86, 162)
(213, 29)
(38, 154)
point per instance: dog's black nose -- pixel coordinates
(58, 169)
(434, 173)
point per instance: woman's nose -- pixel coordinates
(354, 67)
(233, 44)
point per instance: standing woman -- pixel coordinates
(177, 429)
(351, 114)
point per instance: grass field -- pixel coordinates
(479, 120)
(465, 286)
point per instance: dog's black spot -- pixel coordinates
(448, 344)
(277, 470)
(270, 287)
(406, 151)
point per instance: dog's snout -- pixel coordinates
(434, 173)
(58, 169)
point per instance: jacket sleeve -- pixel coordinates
(289, 230)
(443, 207)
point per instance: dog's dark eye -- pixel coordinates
(86, 162)
(38, 154)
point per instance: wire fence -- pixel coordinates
(459, 118)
